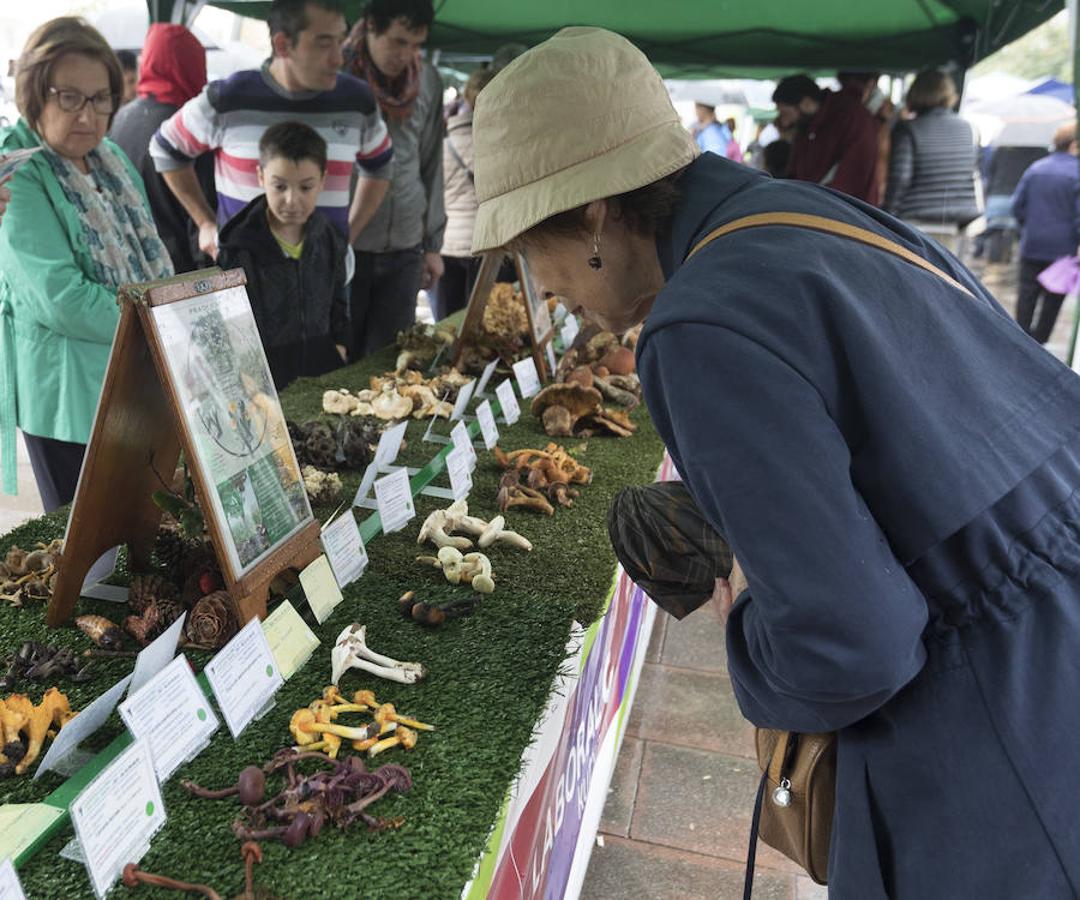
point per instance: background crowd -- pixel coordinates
(335, 177)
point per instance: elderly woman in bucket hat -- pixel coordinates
(893, 461)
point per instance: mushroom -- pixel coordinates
(307, 729)
(435, 529)
(425, 403)
(615, 394)
(339, 402)
(496, 531)
(389, 404)
(386, 715)
(512, 493)
(351, 652)
(46, 714)
(618, 360)
(477, 572)
(451, 562)
(581, 375)
(406, 737)
(559, 406)
(617, 423)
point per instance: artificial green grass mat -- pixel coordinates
(489, 679)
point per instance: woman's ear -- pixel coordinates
(595, 216)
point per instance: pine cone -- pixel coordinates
(146, 627)
(211, 623)
(145, 589)
(170, 549)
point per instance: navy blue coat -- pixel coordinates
(896, 466)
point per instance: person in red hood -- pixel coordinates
(172, 71)
(836, 141)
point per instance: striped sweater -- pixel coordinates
(230, 116)
(932, 169)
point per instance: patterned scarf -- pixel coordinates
(396, 96)
(116, 225)
(666, 546)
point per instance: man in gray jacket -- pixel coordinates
(398, 252)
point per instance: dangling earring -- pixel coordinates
(595, 262)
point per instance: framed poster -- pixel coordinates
(187, 372)
(230, 410)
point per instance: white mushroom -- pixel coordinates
(451, 559)
(352, 652)
(478, 572)
(338, 402)
(389, 404)
(495, 531)
(435, 529)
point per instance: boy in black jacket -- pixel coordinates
(293, 257)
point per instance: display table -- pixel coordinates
(529, 705)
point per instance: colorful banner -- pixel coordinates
(541, 845)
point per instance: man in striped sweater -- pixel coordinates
(300, 82)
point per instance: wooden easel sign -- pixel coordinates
(187, 370)
(541, 330)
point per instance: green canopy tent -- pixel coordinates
(734, 37)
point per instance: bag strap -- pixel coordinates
(751, 853)
(829, 226)
(457, 158)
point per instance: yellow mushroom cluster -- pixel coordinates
(315, 726)
(19, 717)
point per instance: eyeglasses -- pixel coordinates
(104, 104)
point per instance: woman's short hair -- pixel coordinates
(647, 211)
(477, 82)
(44, 48)
(931, 88)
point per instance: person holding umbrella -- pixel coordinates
(894, 464)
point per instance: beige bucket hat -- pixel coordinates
(580, 117)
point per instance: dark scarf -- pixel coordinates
(396, 96)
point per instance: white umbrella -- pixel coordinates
(1026, 120)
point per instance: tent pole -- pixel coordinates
(1074, 47)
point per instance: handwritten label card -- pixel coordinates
(80, 728)
(10, 888)
(508, 401)
(117, 814)
(459, 467)
(290, 639)
(488, 428)
(157, 655)
(485, 377)
(345, 548)
(394, 498)
(321, 588)
(244, 677)
(459, 437)
(173, 715)
(465, 393)
(528, 378)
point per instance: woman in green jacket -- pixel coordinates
(77, 227)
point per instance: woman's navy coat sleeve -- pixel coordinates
(831, 625)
